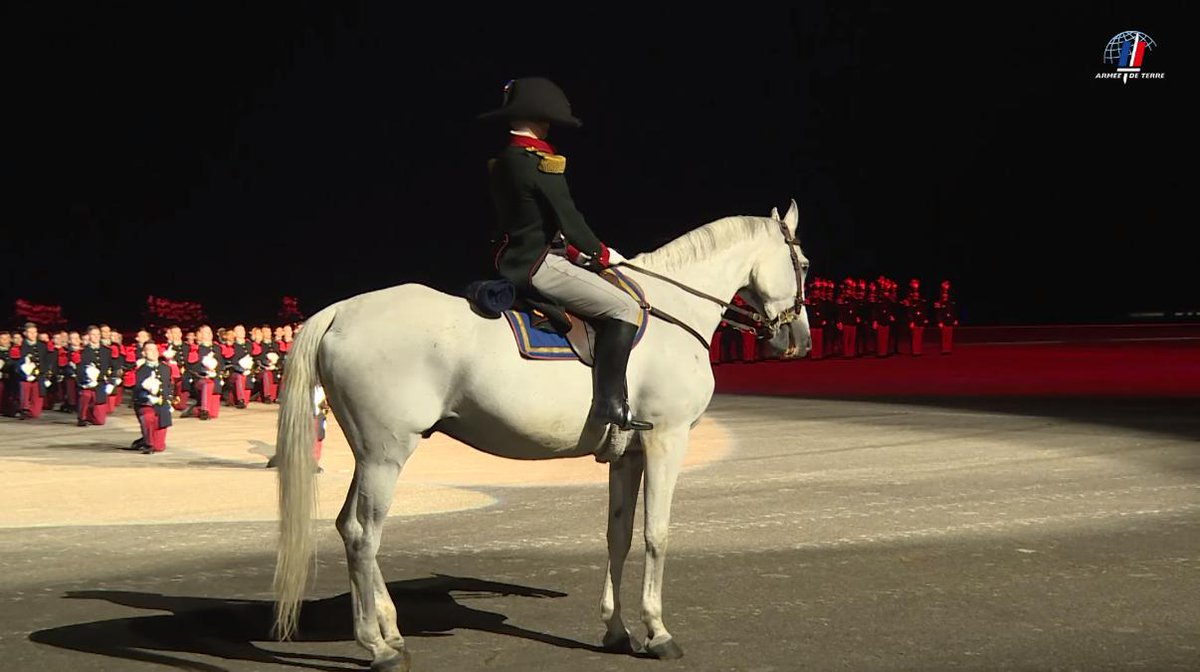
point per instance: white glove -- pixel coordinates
(46, 383)
(272, 358)
(92, 374)
(246, 362)
(108, 389)
(27, 368)
(169, 353)
(615, 257)
(152, 385)
(209, 361)
(156, 401)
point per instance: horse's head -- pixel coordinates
(777, 286)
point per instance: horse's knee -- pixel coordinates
(349, 527)
(656, 542)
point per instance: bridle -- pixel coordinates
(755, 323)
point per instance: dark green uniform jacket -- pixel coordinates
(533, 205)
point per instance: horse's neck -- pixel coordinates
(720, 275)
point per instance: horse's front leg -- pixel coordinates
(624, 481)
(664, 451)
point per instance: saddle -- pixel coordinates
(542, 329)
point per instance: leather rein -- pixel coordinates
(755, 322)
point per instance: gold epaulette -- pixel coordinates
(552, 163)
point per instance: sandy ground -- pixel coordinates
(214, 471)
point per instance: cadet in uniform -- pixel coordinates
(548, 250)
(205, 366)
(34, 373)
(152, 392)
(94, 362)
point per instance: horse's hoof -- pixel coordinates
(621, 643)
(665, 650)
(401, 662)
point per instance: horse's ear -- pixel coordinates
(792, 217)
(775, 214)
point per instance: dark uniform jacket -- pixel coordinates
(535, 211)
(44, 359)
(101, 357)
(533, 206)
(198, 371)
(161, 402)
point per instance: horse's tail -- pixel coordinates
(297, 469)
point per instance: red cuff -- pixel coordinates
(574, 252)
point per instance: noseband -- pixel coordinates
(754, 322)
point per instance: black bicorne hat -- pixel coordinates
(534, 99)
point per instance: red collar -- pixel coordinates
(536, 143)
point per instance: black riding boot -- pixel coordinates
(614, 340)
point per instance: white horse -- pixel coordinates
(400, 363)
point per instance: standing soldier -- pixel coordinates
(916, 316)
(947, 316)
(816, 317)
(152, 393)
(848, 317)
(882, 315)
(205, 367)
(35, 373)
(94, 361)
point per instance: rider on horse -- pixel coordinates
(549, 252)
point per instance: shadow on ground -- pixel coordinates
(228, 629)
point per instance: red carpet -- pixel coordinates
(1129, 365)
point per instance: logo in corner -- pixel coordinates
(1127, 51)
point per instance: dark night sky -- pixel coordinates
(234, 155)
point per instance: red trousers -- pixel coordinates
(114, 399)
(208, 400)
(850, 340)
(152, 434)
(236, 390)
(89, 410)
(818, 343)
(918, 339)
(882, 340)
(319, 427)
(70, 392)
(31, 398)
(183, 392)
(269, 390)
(947, 339)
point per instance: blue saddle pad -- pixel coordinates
(534, 343)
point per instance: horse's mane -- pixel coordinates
(699, 244)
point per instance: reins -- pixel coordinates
(755, 324)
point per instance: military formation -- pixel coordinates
(93, 373)
(857, 318)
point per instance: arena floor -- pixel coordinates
(919, 532)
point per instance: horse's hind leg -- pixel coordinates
(361, 525)
(624, 481)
